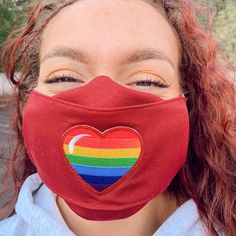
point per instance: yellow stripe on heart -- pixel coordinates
(104, 152)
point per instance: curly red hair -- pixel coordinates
(209, 175)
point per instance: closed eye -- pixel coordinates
(62, 79)
(149, 82)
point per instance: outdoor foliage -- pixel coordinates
(10, 17)
(225, 29)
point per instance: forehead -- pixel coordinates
(104, 26)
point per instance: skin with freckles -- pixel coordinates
(133, 44)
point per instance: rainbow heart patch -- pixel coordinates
(102, 158)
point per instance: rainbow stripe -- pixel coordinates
(101, 161)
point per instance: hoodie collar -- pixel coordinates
(37, 206)
(39, 209)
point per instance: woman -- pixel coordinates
(104, 101)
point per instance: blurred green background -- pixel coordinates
(224, 23)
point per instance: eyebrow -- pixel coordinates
(71, 53)
(136, 56)
(147, 54)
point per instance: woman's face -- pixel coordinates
(128, 41)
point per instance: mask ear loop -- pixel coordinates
(184, 95)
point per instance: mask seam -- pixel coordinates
(143, 106)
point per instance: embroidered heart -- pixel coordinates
(101, 158)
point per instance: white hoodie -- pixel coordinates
(37, 214)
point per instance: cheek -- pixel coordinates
(167, 93)
(174, 91)
(50, 90)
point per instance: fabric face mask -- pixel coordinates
(107, 150)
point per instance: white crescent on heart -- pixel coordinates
(74, 140)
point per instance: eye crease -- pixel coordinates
(146, 78)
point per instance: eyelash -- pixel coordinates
(60, 79)
(149, 82)
(144, 82)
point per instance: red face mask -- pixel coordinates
(105, 149)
